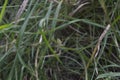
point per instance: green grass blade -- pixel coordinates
(5, 26)
(3, 10)
(56, 15)
(49, 12)
(110, 74)
(116, 20)
(51, 49)
(22, 30)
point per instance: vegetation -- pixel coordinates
(59, 40)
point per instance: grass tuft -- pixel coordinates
(59, 40)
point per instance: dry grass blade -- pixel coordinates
(78, 8)
(20, 11)
(97, 48)
(101, 38)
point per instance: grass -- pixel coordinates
(48, 43)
